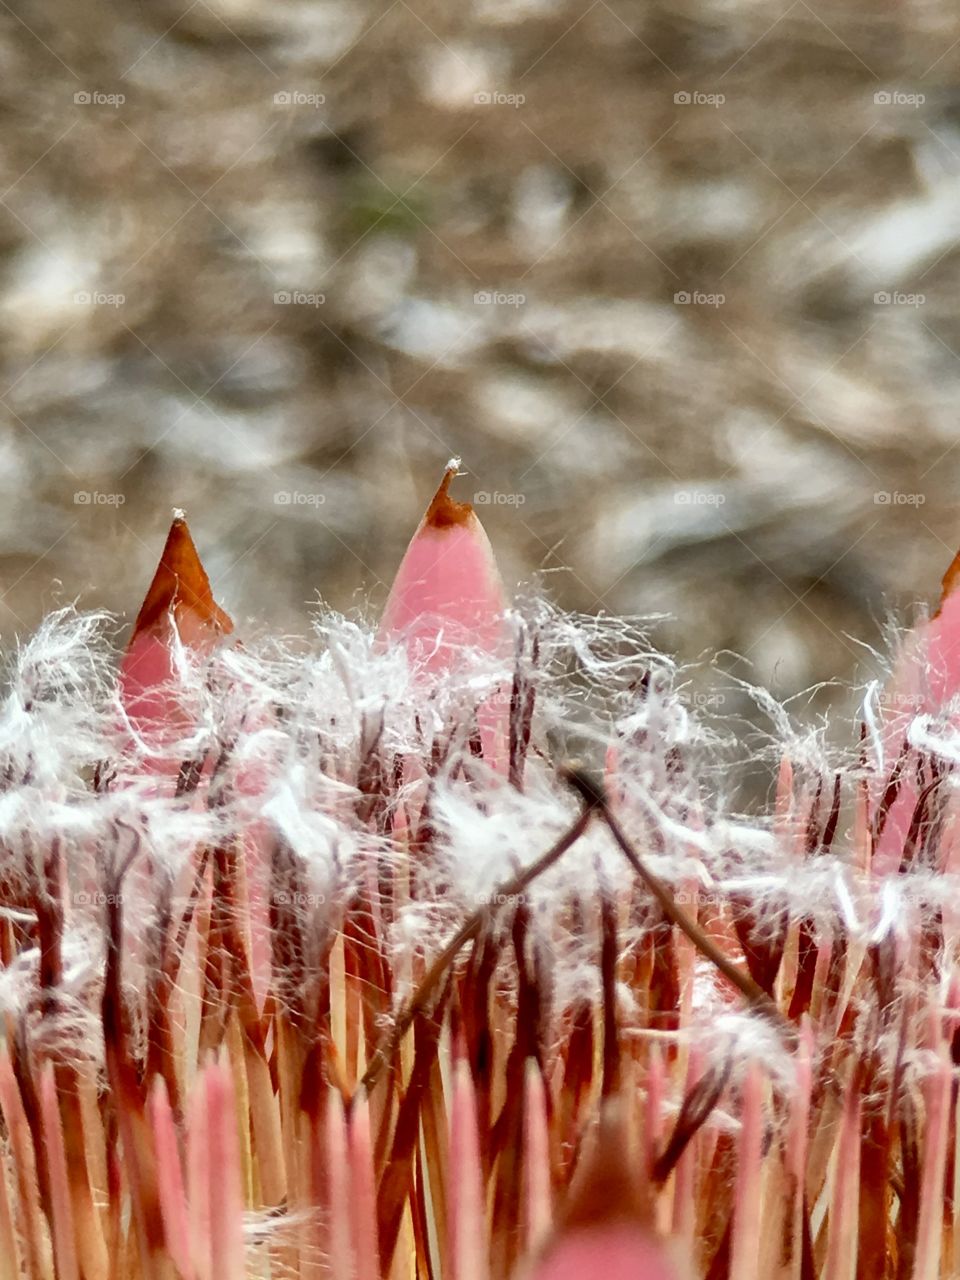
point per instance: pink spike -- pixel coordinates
(536, 1159)
(684, 1176)
(746, 1209)
(926, 677)
(448, 597)
(11, 1262)
(798, 1134)
(943, 642)
(468, 1249)
(64, 1240)
(226, 1194)
(447, 593)
(936, 1131)
(215, 1197)
(841, 1263)
(618, 1251)
(363, 1195)
(33, 1237)
(173, 1203)
(338, 1188)
(784, 801)
(653, 1107)
(200, 1181)
(179, 608)
(606, 1232)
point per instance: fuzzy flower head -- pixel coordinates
(321, 956)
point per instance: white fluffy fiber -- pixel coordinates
(290, 731)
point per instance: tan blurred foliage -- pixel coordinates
(257, 250)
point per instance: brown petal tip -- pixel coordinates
(950, 582)
(608, 1187)
(444, 512)
(181, 588)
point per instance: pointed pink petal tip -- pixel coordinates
(949, 583)
(447, 593)
(620, 1251)
(180, 592)
(607, 1229)
(179, 603)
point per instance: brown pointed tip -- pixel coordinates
(950, 582)
(181, 587)
(608, 1188)
(443, 512)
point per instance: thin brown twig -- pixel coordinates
(594, 798)
(468, 931)
(592, 788)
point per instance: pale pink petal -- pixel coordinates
(841, 1259)
(179, 606)
(198, 1169)
(620, 1251)
(607, 1230)
(363, 1196)
(926, 677)
(64, 1243)
(536, 1160)
(447, 593)
(226, 1194)
(746, 1210)
(798, 1133)
(447, 597)
(33, 1236)
(173, 1201)
(338, 1188)
(937, 1129)
(468, 1251)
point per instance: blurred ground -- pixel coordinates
(275, 261)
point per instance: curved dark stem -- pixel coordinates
(751, 991)
(468, 931)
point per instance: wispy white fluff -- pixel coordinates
(936, 735)
(54, 718)
(287, 729)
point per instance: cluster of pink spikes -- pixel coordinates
(394, 1141)
(447, 595)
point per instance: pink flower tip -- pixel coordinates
(178, 608)
(447, 594)
(617, 1251)
(607, 1229)
(180, 593)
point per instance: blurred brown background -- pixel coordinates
(677, 281)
